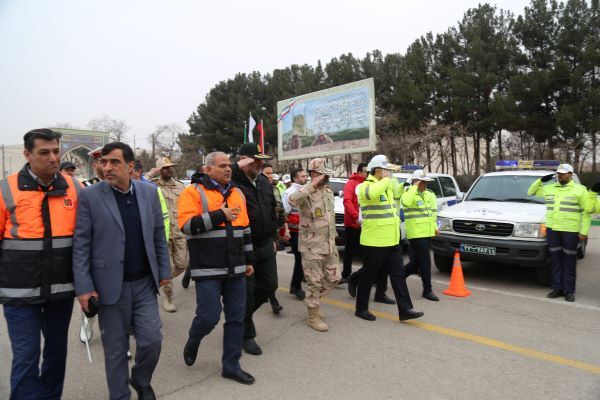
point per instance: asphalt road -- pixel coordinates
(507, 340)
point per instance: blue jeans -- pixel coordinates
(25, 323)
(208, 312)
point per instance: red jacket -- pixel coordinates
(351, 201)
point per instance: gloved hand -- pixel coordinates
(93, 307)
(546, 178)
(596, 187)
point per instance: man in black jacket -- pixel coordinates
(260, 202)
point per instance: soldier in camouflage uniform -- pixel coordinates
(320, 260)
(178, 252)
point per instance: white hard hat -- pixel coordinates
(564, 168)
(275, 177)
(381, 161)
(286, 178)
(420, 175)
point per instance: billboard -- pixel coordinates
(339, 120)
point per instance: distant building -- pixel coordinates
(74, 146)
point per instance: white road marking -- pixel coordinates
(506, 293)
(522, 296)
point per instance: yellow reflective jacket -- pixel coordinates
(379, 205)
(568, 207)
(420, 213)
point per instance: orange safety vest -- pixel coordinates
(218, 248)
(36, 232)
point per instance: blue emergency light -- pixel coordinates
(526, 164)
(410, 167)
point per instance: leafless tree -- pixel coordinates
(118, 128)
(164, 140)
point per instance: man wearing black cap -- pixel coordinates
(263, 223)
(68, 168)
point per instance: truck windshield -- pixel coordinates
(512, 188)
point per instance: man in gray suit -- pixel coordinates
(120, 257)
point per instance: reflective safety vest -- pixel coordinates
(568, 207)
(218, 248)
(420, 213)
(378, 201)
(281, 187)
(36, 229)
(165, 213)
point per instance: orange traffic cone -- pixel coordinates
(457, 281)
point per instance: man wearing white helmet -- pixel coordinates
(378, 198)
(568, 220)
(420, 218)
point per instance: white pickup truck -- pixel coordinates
(497, 222)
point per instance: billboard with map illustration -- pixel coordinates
(340, 120)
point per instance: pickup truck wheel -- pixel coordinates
(443, 264)
(542, 274)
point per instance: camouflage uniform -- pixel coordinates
(177, 245)
(178, 251)
(320, 259)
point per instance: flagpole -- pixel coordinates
(262, 137)
(245, 136)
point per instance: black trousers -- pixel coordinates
(298, 274)
(376, 259)
(380, 280)
(420, 260)
(563, 255)
(351, 249)
(261, 285)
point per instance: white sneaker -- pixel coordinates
(89, 331)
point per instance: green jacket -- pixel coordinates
(378, 200)
(568, 207)
(420, 213)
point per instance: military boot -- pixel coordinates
(168, 299)
(315, 321)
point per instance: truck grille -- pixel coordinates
(339, 219)
(485, 228)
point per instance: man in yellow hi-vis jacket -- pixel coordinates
(568, 219)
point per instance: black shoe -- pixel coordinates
(343, 281)
(144, 393)
(429, 295)
(570, 297)
(187, 276)
(239, 376)
(555, 293)
(366, 315)
(351, 288)
(276, 307)
(251, 347)
(410, 314)
(190, 352)
(299, 293)
(384, 299)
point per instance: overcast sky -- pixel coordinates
(153, 62)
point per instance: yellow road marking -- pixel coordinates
(482, 340)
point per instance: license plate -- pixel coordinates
(468, 248)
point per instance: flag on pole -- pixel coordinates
(261, 130)
(251, 125)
